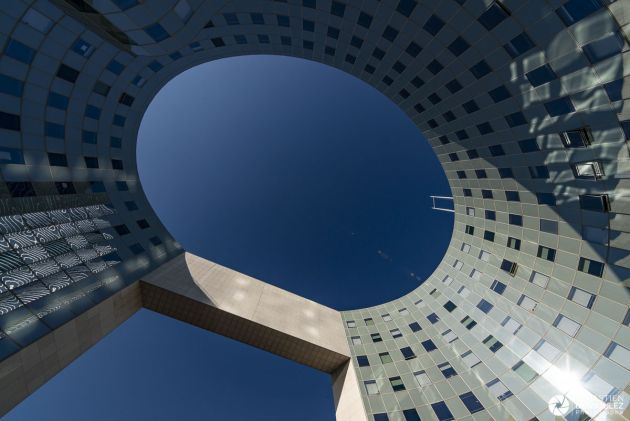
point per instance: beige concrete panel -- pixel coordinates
(243, 296)
(347, 394)
(25, 371)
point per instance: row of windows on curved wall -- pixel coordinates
(407, 334)
(21, 52)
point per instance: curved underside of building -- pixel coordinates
(524, 104)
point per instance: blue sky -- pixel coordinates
(288, 171)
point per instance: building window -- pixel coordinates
(528, 145)
(488, 235)
(568, 326)
(385, 357)
(415, 327)
(581, 297)
(492, 343)
(588, 170)
(559, 106)
(595, 202)
(509, 267)
(363, 361)
(541, 75)
(547, 225)
(386, 317)
(408, 353)
(512, 196)
(468, 322)
(618, 354)
(470, 359)
(498, 389)
(376, 337)
(447, 370)
(591, 267)
(369, 321)
(472, 403)
(450, 306)
(524, 371)
(433, 318)
(422, 378)
(575, 10)
(527, 303)
(498, 287)
(396, 333)
(411, 415)
(514, 219)
(449, 336)
(539, 171)
(397, 383)
(442, 411)
(520, 44)
(429, 345)
(514, 243)
(356, 340)
(351, 323)
(91, 162)
(57, 160)
(370, 387)
(484, 306)
(604, 48)
(539, 279)
(546, 253)
(511, 325)
(433, 25)
(493, 16)
(470, 230)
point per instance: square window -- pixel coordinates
(499, 94)
(546, 253)
(413, 49)
(575, 10)
(390, 33)
(480, 69)
(559, 106)
(498, 287)
(595, 202)
(405, 7)
(493, 16)
(541, 75)
(470, 106)
(604, 48)
(415, 327)
(471, 402)
(433, 25)
(365, 20)
(591, 267)
(528, 145)
(458, 46)
(411, 415)
(583, 298)
(397, 384)
(370, 387)
(429, 345)
(484, 306)
(408, 353)
(520, 44)
(363, 361)
(568, 326)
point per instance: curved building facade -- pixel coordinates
(525, 104)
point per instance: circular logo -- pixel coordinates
(559, 405)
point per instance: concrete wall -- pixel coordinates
(215, 298)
